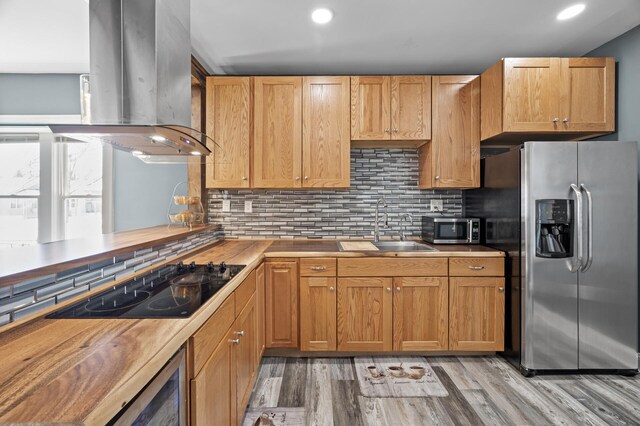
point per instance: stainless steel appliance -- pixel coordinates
(450, 230)
(163, 401)
(566, 214)
(173, 291)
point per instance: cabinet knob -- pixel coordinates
(556, 119)
(395, 130)
(239, 333)
(331, 289)
(387, 130)
(501, 289)
(476, 268)
(398, 289)
(306, 178)
(565, 120)
(297, 177)
(388, 289)
(437, 178)
(244, 178)
(235, 341)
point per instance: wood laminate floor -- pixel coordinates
(482, 390)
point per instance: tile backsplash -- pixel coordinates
(28, 297)
(348, 213)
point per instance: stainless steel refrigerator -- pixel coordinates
(566, 213)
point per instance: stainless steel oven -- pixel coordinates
(450, 230)
(163, 401)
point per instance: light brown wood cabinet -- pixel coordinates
(281, 283)
(318, 302)
(365, 314)
(476, 313)
(260, 308)
(385, 108)
(547, 98)
(221, 385)
(229, 124)
(325, 132)
(421, 314)
(452, 158)
(277, 132)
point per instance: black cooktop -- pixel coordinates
(174, 291)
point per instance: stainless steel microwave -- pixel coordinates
(450, 230)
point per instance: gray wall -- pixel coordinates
(375, 173)
(626, 49)
(141, 191)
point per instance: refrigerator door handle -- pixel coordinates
(589, 257)
(580, 231)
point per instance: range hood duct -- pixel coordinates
(137, 96)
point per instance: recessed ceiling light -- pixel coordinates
(322, 15)
(195, 153)
(158, 138)
(137, 152)
(570, 12)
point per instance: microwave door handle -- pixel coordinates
(469, 231)
(589, 258)
(575, 267)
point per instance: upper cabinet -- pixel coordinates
(452, 158)
(387, 108)
(547, 98)
(325, 132)
(229, 124)
(277, 132)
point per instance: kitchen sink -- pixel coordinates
(403, 246)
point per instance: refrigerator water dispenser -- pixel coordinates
(554, 228)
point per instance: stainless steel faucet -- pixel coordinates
(403, 227)
(376, 225)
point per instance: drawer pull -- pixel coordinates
(235, 341)
(476, 268)
(239, 333)
(318, 268)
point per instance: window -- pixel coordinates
(50, 189)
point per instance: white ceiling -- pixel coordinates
(44, 36)
(395, 36)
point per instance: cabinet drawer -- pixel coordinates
(392, 267)
(476, 266)
(245, 291)
(318, 267)
(207, 338)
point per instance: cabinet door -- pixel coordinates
(277, 132)
(245, 357)
(370, 103)
(589, 96)
(325, 132)
(454, 152)
(364, 314)
(421, 314)
(476, 314)
(229, 124)
(317, 314)
(260, 308)
(411, 107)
(213, 390)
(281, 279)
(532, 88)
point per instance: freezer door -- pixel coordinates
(608, 287)
(549, 294)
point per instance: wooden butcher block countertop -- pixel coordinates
(83, 371)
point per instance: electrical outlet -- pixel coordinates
(437, 205)
(248, 206)
(226, 205)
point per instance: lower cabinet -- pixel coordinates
(246, 361)
(365, 314)
(281, 283)
(476, 314)
(318, 314)
(260, 308)
(421, 314)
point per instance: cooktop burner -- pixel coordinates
(174, 291)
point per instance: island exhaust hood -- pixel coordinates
(137, 96)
